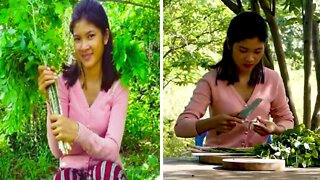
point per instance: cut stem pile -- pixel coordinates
(248, 150)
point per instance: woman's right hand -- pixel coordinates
(46, 77)
(226, 122)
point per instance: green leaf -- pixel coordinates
(307, 155)
(11, 31)
(59, 8)
(315, 154)
(304, 164)
(297, 144)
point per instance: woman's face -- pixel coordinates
(247, 54)
(89, 44)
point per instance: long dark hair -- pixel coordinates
(246, 25)
(93, 12)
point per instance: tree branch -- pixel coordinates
(232, 6)
(188, 43)
(180, 47)
(273, 9)
(266, 8)
(170, 80)
(268, 54)
(239, 4)
(134, 3)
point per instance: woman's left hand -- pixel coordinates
(63, 128)
(264, 127)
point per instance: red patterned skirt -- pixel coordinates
(103, 170)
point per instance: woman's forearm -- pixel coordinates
(279, 130)
(204, 125)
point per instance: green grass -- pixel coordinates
(177, 97)
(19, 164)
(148, 170)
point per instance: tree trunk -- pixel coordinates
(267, 58)
(315, 121)
(255, 6)
(307, 35)
(268, 62)
(280, 54)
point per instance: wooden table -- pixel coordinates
(190, 168)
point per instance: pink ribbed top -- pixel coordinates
(101, 125)
(224, 98)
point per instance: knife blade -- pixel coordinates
(250, 108)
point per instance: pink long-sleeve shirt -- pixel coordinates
(224, 98)
(101, 125)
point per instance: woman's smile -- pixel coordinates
(86, 57)
(249, 66)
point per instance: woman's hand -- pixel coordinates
(226, 122)
(46, 77)
(63, 128)
(266, 127)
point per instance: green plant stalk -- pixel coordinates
(52, 89)
(56, 109)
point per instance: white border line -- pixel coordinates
(161, 89)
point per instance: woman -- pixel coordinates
(93, 101)
(237, 80)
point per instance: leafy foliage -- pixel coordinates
(21, 52)
(124, 50)
(291, 29)
(193, 36)
(138, 28)
(300, 147)
(36, 32)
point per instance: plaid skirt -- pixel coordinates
(103, 170)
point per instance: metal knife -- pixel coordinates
(250, 108)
